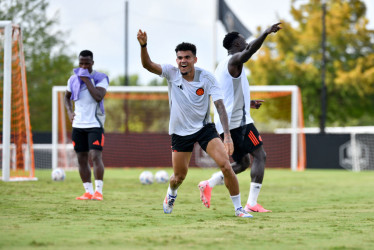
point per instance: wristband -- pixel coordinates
(144, 45)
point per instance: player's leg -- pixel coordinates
(240, 164)
(180, 161)
(96, 143)
(182, 147)
(237, 166)
(216, 150)
(80, 142)
(258, 165)
(254, 143)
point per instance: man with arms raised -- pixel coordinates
(234, 83)
(189, 91)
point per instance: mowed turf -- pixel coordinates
(311, 210)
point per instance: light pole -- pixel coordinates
(323, 70)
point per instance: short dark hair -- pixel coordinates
(85, 53)
(186, 46)
(229, 39)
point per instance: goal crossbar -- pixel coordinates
(294, 90)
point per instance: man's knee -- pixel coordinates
(96, 156)
(241, 166)
(260, 154)
(226, 169)
(179, 178)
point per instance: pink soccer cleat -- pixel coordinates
(205, 193)
(85, 196)
(256, 208)
(97, 196)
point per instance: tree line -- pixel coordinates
(292, 57)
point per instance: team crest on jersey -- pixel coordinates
(200, 92)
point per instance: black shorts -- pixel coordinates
(186, 143)
(246, 139)
(85, 139)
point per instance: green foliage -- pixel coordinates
(311, 210)
(293, 57)
(47, 60)
(129, 113)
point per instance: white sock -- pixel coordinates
(216, 179)
(172, 192)
(236, 201)
(88, 187)
(254, 191)
(99, 186)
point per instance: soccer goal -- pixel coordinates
(16, 145)
(137, 120)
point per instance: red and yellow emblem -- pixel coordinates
(200, 91)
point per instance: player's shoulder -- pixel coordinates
(99, 73)
(72, 78)
(169, 67)
(205, 74)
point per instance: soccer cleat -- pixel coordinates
(205, 193)
(97, 196)
(256, 208)
(85, 196)
(240, 212)
(168, 203)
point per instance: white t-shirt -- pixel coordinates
(86, 108)
(237, 97)
(189, 101)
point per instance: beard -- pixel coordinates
(184, 73)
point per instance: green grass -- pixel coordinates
(311, 210)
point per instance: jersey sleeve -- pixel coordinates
(214, 90)
(169, 72)
(103, 84)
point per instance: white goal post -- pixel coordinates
(17, 162)
(295, 150)
(7, 25)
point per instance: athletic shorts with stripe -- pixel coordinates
(186, 143)
(85, 139)
(246, 139)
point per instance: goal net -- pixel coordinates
(16, 145)
(137, 120)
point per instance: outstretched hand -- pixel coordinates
(256, 104)
(142, 37)
(274, 28)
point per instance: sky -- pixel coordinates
(99, 26)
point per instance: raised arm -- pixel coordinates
(238, 59)
(146, 60)
(229, 146)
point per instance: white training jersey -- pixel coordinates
(86, 107)
(189, 101)
(237, 97)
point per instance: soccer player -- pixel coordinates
(234, 83)
(189, 90)
(87, 89)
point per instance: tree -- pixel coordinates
(136, 113)
(293, 57)
(47, 62)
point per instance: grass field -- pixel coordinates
(311, 210)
